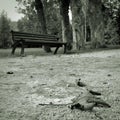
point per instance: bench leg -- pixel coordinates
(22, 48)
(56, 50)
(13, 50)
(14, 47)
(65, 47)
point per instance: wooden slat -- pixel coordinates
(40, 36)
(52, 42)
(44, 43)
(32, 35)
(34, 38)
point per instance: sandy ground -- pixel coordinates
(51, 78)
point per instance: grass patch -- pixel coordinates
(40, 52)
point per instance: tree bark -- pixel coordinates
(66, 27)
(78, 23)
(41, 17)
(87, 22)
(96, 23)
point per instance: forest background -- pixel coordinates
(58, 17)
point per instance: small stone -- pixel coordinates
(105, 83)
(54, 114)
(68, 85)
(51, 103)
(81, 84)
(51, 69)
(10, 72)
(34, 87)
(109, 75)
(31, 76)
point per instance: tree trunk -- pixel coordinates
(87, 23)
(78, 24)
(41, 17)
(96, 23)
(66, 27)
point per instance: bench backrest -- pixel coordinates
(16, 36)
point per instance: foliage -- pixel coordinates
(30, 22)
(112, 6)
(53, 19)
(4, 30)
(28, 25)
(111, 35)
(13, 25)
(118, 22)
(112, 17)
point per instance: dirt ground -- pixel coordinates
(26, 82)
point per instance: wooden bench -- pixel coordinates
(23, 39)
